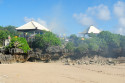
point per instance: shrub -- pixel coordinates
(45, 40)
(19, 42)
(70, 46)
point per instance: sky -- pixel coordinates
(65, 16)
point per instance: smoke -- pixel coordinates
(57, 20)
(57, 27)
(54, 25)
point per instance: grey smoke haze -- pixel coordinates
(55, 23)
(86, 18)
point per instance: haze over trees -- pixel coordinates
(45, 40)
(104, 44)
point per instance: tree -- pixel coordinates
(12, 30)
(70, 46)
(92, 35)
(45, 40)
(82, 48)
(19, 42)
(74, 39)
(93, 44)
(3, 35)
(1, 27)
(113, 40)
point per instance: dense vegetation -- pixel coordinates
(5, 31)
(41, 41)
(105, 44)
(45, 40)
(19, 42)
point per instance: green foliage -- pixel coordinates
(92, 35)
(104, 44)
(113, 40)
(1, 27)
(11, 30)
(5, 31)
(74, 39)
(70, 46)
(46, 39)
(122, 43)
(93, 44)
(3, 35)
(82, 48)
(19, 42)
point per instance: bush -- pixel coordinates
(19, 42)
(82, 48)
(105, 44)
(70, 46)
(45, 40)
(3, 35)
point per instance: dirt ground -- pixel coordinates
(32, 72)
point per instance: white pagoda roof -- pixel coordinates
(31, 26)
(91, 29)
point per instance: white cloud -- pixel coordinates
(88, 18)
(120, 30)
(84, 19)
(119, 11)
(101, 12)
(122, 21)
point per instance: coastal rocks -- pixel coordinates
(56, 49)
(51, 53)
(96, 60)
(6, 59)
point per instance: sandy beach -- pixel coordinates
(32, 72)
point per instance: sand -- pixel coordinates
(32, 72)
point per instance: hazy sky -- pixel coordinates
(65, 16)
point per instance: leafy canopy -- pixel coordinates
(19, 42)
(45, 40)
